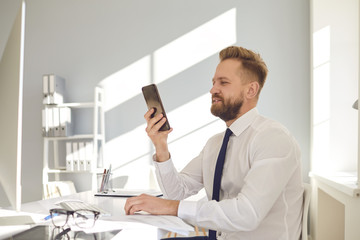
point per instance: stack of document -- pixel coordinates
(79, 156)
(56, 122)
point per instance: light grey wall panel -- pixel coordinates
(88, 41)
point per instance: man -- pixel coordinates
(261, 190)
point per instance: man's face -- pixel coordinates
(227, 91)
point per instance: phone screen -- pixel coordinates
(153, 100)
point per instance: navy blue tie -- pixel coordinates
(218, 174)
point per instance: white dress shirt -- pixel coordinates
(261, 192)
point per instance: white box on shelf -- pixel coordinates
(56, 89)
(46, 93)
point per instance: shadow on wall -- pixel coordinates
(119, 182)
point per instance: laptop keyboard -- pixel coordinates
(73, 206)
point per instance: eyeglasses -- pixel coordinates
(83, 218)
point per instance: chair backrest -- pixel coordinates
(307, 196)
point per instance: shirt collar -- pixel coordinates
(244, 121)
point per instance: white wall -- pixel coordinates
(335, 33)
(121, 45)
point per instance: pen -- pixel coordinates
(49, 216)
(102, 181)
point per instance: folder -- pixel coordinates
(65, 122)
(56, 89)
(89, 155)
(69, 157)
(50, 122)
(45, 127)
(82, 160)
(75, 156)
(56, 121)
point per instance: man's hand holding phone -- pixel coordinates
(158, 126)
(159, 138)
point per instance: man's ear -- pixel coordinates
(253, 89)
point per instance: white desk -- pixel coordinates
(335, 207)
(115, 206)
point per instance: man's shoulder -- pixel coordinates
(262, 123)
(217, 136)
(267, 131)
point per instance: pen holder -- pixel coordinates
(104, 181)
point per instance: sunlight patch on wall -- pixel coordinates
(190, 116)
(192, 129)
(195, 46)
(321, 46)
(126, 83)
(118, 150)
(321, 88)
(321, 99)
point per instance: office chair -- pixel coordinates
(197, 235)
(307, 197)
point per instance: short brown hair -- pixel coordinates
(250, 60)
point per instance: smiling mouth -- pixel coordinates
(216, 100)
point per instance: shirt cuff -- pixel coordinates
(164, 167)
(187, 210)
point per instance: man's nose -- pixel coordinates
(214, 89)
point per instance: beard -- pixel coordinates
(226, 109)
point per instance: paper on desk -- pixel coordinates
(169, 223)
(16, 220)
(12, 222)
(100, 226)
(9, 217)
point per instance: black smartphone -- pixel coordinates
(153, 100)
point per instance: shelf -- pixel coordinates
(97, 171)
(75, 137)
(64, 153)
(72, 105)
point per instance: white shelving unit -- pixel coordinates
(97, 137)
